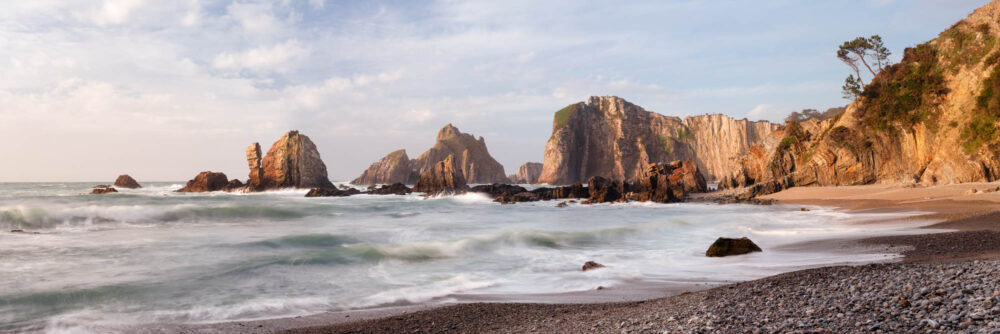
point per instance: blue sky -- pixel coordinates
(165, 89)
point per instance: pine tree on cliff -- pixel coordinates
(861, 51)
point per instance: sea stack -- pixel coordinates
(292, 162)
(469, 153)
(612, 138)
(393, 168)
(126, 181)
(442, 178)
(527, 174)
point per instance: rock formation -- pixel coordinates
(527, 174)
(931, 119)
(103, 189)
(471, 157)
(205, 181)
(728, 246)
(253, 162)
(125, 181)
(661, 183)
(391, 189)
(393, 168)
(612, 138)
(443, 178)
(292, 162)
(591, 265)
(332, 192)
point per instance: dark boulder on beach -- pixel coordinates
(332, 192)
(729, 246)
(103, 189)
(392, 189)
(591, 265)
(126, 181)
(443, 178)
(205, 181)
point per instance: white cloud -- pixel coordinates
(317, 4)
(111, 12)
(761, 111)
(279, 58)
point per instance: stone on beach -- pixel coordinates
(126, 181)
(729, 246)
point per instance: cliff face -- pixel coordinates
(527, 174)
(393, 168)
(292, 162)
(610, 137)
(442, 178)
(931, 119)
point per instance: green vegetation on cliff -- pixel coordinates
(982, 128)
(563, 115)
(905, 93)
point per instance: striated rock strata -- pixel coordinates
(393, 168)
(527, 174)
(125, 181)
(931, 119)
(612, 138)
(443, 178)
(292, 162)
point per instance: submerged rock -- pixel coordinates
(443, 178)
(205, 181)
(591, 265)
(332, 192)
(103, 189)
(729, 246)
(126, 181)
(392, 189)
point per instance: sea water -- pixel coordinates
(151, 255)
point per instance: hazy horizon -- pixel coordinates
(162, 91)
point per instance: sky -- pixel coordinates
(162, 90)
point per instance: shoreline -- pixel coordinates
(973, 218)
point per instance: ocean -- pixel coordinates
(146, 256)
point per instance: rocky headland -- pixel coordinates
(930, 119)
(613, 138)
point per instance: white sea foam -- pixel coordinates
(150, 254)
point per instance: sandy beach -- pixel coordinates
(945, 282)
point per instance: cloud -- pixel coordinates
(761, 111)
(279, 58)
(317, 4)
(112, 12)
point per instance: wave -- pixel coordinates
(96, 216)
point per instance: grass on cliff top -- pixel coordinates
(562, 117)
(906, 93)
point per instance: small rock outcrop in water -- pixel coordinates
(591, 265)
(332, 192)
(103, 189)
(125, 181)
(527, 174)
(393, 168)
(292, 162)
(728, 246)
(443, 178)
(392, 189)
(206, 181)
(234, 185)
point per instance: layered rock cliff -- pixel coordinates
(471, 158)
(610, 137)
(292, 162)
(931, 119)
(442, 178)
(393, 168)
(527, 174)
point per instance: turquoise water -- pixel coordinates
(151, 255)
